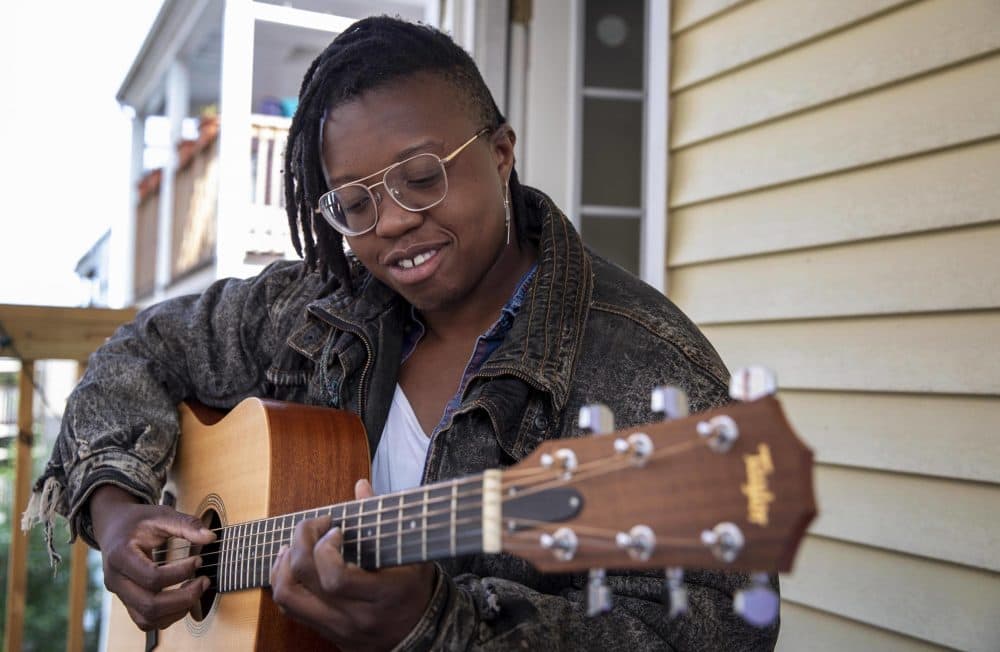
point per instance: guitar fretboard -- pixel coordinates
(422, 524)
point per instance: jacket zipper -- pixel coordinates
(356, 330)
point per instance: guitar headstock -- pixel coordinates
(729, 488)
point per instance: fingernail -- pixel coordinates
(329, 533)
(197, 562)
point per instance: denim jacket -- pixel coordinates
(587, 332)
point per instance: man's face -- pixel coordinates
(438, 257)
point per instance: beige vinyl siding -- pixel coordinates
(835, 214)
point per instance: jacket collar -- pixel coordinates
(543, 343)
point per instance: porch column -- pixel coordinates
(178, 99)
(234, 138)
(122, 272)
(17, 556)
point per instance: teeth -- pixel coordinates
(416, 261)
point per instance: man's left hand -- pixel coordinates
(354, 608)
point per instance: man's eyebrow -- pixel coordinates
(422, 146)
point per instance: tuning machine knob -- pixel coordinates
(598, 593)
(563, 543)
(639, 542)
(720, 432)
(596, 418)
(752, 383)
(674, 595)
(725, 541)
(670, 402)
(759, 603)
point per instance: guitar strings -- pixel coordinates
(443, 501)
(585, 471)
(597, 535)
(508, 475)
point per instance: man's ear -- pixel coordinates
(502, 142)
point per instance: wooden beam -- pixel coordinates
(77, 596)
(17, 557)
(45, 333)
(77, 584)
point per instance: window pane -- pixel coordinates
(612, 152)
(613, 46)
(615, 238)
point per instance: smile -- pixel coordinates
(416, 261)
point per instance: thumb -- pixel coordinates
(186, 527)
(363, 489)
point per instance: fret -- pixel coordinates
(352, 539)
(234, 559)
(241, 547)
(250, 553)
(222, 577)
(367, 544)
(337, 520)
(412, 530)
(258, 554)
(454, 515)
(270, 549)
(378, 535)
(399, 531)
(423, 529)
(468, 515)
(439, 521)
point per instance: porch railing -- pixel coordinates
(269, 236)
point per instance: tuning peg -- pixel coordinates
(758, 604)
(596, 418)
(725, 541)
(720, 432)
(752, 383)
(674, 595)
(671, 402)
(598, 593)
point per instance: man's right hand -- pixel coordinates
(128, 531)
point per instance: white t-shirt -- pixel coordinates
(402, 450)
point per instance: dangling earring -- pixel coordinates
(506, 209)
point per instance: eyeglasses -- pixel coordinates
(416, 184)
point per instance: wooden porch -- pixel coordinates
(31, 334)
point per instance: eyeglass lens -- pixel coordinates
(415, 184)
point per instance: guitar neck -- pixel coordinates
(430, 522)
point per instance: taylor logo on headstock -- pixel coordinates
(759, 497)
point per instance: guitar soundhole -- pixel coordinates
(210, 555)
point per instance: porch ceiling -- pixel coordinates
(50, 333)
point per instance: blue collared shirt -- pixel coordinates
(486, 343)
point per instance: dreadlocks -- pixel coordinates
(370, 53)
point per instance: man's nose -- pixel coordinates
(393, 219)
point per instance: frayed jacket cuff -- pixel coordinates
(106, 468)
(423, 634)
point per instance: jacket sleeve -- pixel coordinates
(488, 613)
(120, 425)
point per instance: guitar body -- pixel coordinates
(263, 459)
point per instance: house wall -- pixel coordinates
(835, 214)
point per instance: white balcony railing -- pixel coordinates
(269, 235)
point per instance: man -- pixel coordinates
(467, 324)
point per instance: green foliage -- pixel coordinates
(48, 591)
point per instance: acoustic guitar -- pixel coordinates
(730, 488)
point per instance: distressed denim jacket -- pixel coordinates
(587, 332)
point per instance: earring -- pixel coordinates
(506, 210)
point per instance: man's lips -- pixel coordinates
(419, 268)
(396, 256)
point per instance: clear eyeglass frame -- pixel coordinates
(327, 200)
